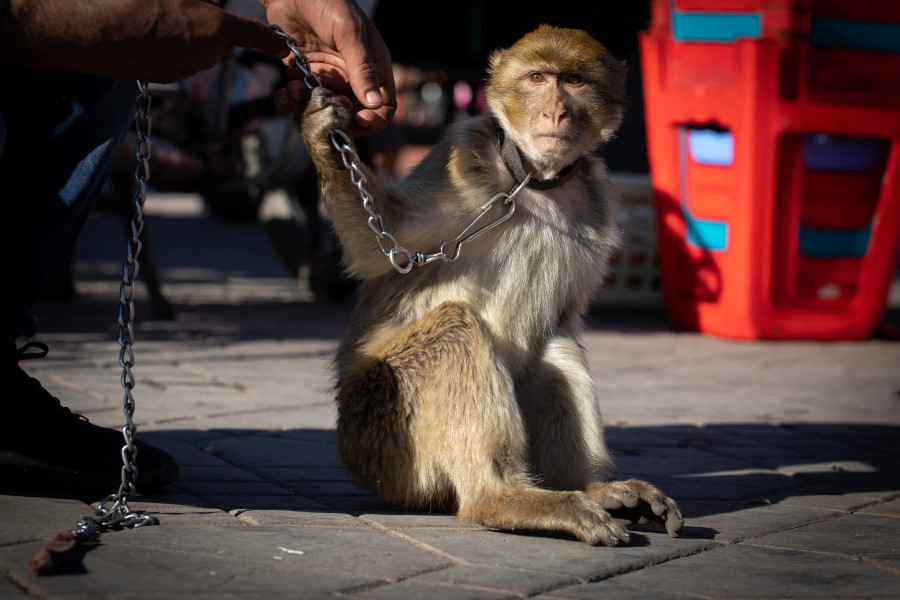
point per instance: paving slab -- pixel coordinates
(742, 571)
(889, 508)
(868, 538)
(227, 559)
(734, 521)
(556, 555)
(27, 517)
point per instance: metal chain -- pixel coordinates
(387, 243)
(114, 512)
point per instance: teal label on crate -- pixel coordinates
(709, 147)
(715, 27)
(706, 233)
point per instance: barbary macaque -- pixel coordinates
(461, 386)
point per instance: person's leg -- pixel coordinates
(62, 132)
(59, 134)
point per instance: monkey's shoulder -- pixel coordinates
(467, 154)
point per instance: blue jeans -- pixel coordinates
(59, 134)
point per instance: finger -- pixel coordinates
(370, 121)
(610, 503)
(374, 120)
(283, 101)
(674, 521)
(674, 525)
(247, 33)
(620, 493)
(613, 534)
(292, 98)
(384, 67)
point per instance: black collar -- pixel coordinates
(512, 156)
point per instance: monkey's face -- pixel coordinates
(558, 93)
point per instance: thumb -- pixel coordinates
(360, 67)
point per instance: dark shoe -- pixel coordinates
(43, 444)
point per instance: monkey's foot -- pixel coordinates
(637, 502)
(544, 510)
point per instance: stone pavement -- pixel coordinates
(785, 457)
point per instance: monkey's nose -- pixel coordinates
(556, 115)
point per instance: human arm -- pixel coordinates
(154, 40)
(347, 53)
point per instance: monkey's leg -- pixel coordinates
(433, 417)
(566, 445)
(565, 435)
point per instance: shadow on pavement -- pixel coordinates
(716, 468)
(293, 477)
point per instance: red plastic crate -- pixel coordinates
(776, 18)
(848, 51)
(884, 11)
(851, 76)
(770, 243)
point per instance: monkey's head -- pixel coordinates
(558, 93)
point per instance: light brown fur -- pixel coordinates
(461, 386)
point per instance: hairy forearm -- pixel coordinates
(21, 38)
(156, 40)
(64, 34)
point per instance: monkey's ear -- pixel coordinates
(494, 61)
(616, 70)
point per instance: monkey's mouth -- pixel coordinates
(557, 135)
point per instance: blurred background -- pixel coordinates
(757, 157)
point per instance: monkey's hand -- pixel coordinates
(637, 502)
(316, 116)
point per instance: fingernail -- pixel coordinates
(374, 97)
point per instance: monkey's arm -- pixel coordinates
(435, 203)
(322, 115)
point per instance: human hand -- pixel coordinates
(347, 53)
(153, 40)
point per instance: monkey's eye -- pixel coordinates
(536, 77)
(574, 79)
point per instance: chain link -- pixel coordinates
(119, 513)
(113, 512)
(400, 258)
